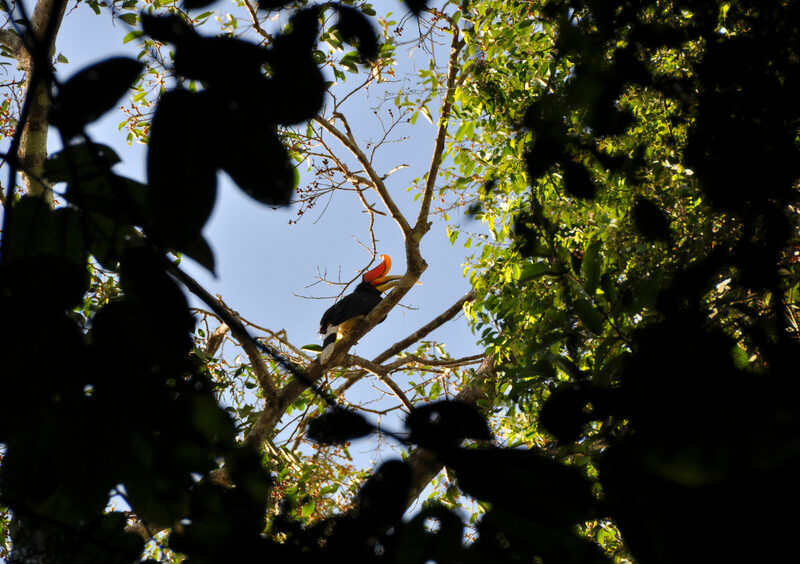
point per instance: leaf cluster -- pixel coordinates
(640, 287)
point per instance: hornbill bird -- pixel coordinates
(342, 316)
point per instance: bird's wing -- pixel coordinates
(352, 305)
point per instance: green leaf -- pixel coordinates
(533, 271)
(130, 36)
(589, 315)
(129, 19)
(308, 509)
(590, 266)
(315, 348)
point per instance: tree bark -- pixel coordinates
(30, 52)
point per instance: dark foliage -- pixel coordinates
(701, 450)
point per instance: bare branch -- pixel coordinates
(254, 19)
(377, 181)
(456, 45)
(382, 375)
(260, 369)
(443, 362)
(423, 331)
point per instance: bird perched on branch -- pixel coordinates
(343, 316)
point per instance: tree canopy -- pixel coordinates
(635, 166)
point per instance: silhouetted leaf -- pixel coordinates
(82, 161)
(180, 169)
(416, 6)
(382, 499)
(434, 534)
(524, 482)
(45, 255)
(247, 472)
(109, 239)
(577, 180)
(337, 426)
(226, 63)
(650, 220)
(245, 141)
(193, 4)
(356, 29)
(446, 423)
(272, 4)
(166, 28)
(299, 84)
(92, 92)
(200, 251)
(115, 197)
(565, 413)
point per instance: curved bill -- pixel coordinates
(378, 277)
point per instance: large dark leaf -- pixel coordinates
(299, 84)
(273, 4)
(650, 220)
(167, 29)
(578, 181)
(446, 423)
(565, 412)
(525, 482)
(357, 29)
(92, 92)
(45, 255)
(82, 161)
(251, 152)
(112, 196)
(416, 6)
(180, 169)
(434, 535)
(338, 426)
(193, 4)
(224, 63)
(383, 497)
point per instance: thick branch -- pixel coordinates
(45, 23)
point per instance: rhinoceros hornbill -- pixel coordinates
(342, 316)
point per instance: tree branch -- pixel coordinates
(377, 181)
(423, 331)
(422, 225)
(382, 375)
(45, 23)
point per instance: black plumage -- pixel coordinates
(362, 301)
